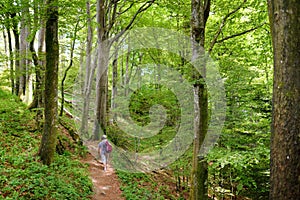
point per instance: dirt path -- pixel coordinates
(106, 183)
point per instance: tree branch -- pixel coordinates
(223, 23)
(124, 11)
(239, 34)
(144, 7)
(206, 10)
(113, 16)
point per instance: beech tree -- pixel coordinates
(89, 71)
(48, 143)
(108, 13)
(284, 17)
(39, 61)
(200, 11)
(200, 14)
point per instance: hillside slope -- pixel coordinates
(22, 175)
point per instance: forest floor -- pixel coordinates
(106, 183)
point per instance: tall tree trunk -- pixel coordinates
(285, 137)
(126, 76)
(5, 47)
(82, 66)
(101, 84)
(89, 74)
(11, 62)
(28, 85)
(101, 93)
(40, 75)
(107, 14)
(200, 14)
(48, 143)
(39, 63)
(17, 56)
(23, 50)
(68, 68)
(114, 88)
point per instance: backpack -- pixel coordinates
(108, 147)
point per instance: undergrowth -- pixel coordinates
(22, 175)
(142, 186)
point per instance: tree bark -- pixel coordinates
(23, 50)
(106, 19)
(11, 62)
(17, 52)
(284, 18)
(89, 73)
(68, 68)
(5, 46)
(200, 14)
(49, 138)
(39, 63)
(114, 89)
(101, 84)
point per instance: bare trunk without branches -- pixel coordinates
(200, 13)
(89, 74)
(285, 136)
(49, 138)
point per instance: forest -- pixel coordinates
(198, 98)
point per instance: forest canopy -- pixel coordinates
(183, 87)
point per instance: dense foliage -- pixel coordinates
(237, 38)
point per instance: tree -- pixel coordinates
(107, 15)
(73, 42)
(24, 33)
(217, 35)
(88, 72)
(48, 143)
(11, 61)
(284, 17)
(17, 51)
(39, 62)
(200, 14)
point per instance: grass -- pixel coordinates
(22, 175)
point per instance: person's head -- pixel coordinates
(103, 137)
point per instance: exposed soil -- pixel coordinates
(106, 183)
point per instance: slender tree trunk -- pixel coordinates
(285, 137)
(11, 62)
(5, 46)
(49, 138)
(82, 67)
(23, 52)
(87, 97)
(17, 57)
(36, 103)
(68, 68)
(89, 74)
(126, 75)
(107, 13)
(40, 75)
(114, 90)
(200, 13)
(101, 83)
(39, 63)
(28, 85)
(101, 93)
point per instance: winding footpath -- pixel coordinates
(106, 183)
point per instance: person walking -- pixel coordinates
(102, 151)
